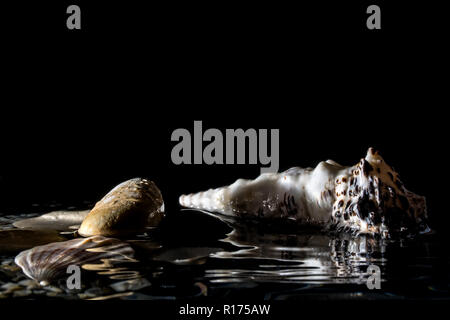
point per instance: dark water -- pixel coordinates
(195, 255)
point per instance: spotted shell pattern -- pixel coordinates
(365, 198)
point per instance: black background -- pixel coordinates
(83, 110)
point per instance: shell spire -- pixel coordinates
(365, 198)
(214, 200)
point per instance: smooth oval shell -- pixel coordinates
(49, 262)
(129, 208)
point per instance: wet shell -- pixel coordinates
(56, 220)
(50, 262)
(129, 208)
(365, 198)
(16, 240)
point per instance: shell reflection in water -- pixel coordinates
(49, 262)
(309, 257)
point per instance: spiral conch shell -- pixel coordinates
(49, 262)
(128, 208)
(365, 198)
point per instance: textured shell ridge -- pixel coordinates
(368, 197)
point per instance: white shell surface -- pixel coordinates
(363, 198)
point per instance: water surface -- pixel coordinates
(196, 255)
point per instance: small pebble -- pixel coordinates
(113, 296)
(83, 296)
(94, 292)
(10, 287)
(7, 262)
(11, 268)
(140, 296)
(39, 292)
(29, 284)
(21, 293)
(53, 289)
(52, 294)
(4, 221)
(133, 285)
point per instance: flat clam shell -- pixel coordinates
(18, 240)
(55, 220)
(49, 262)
